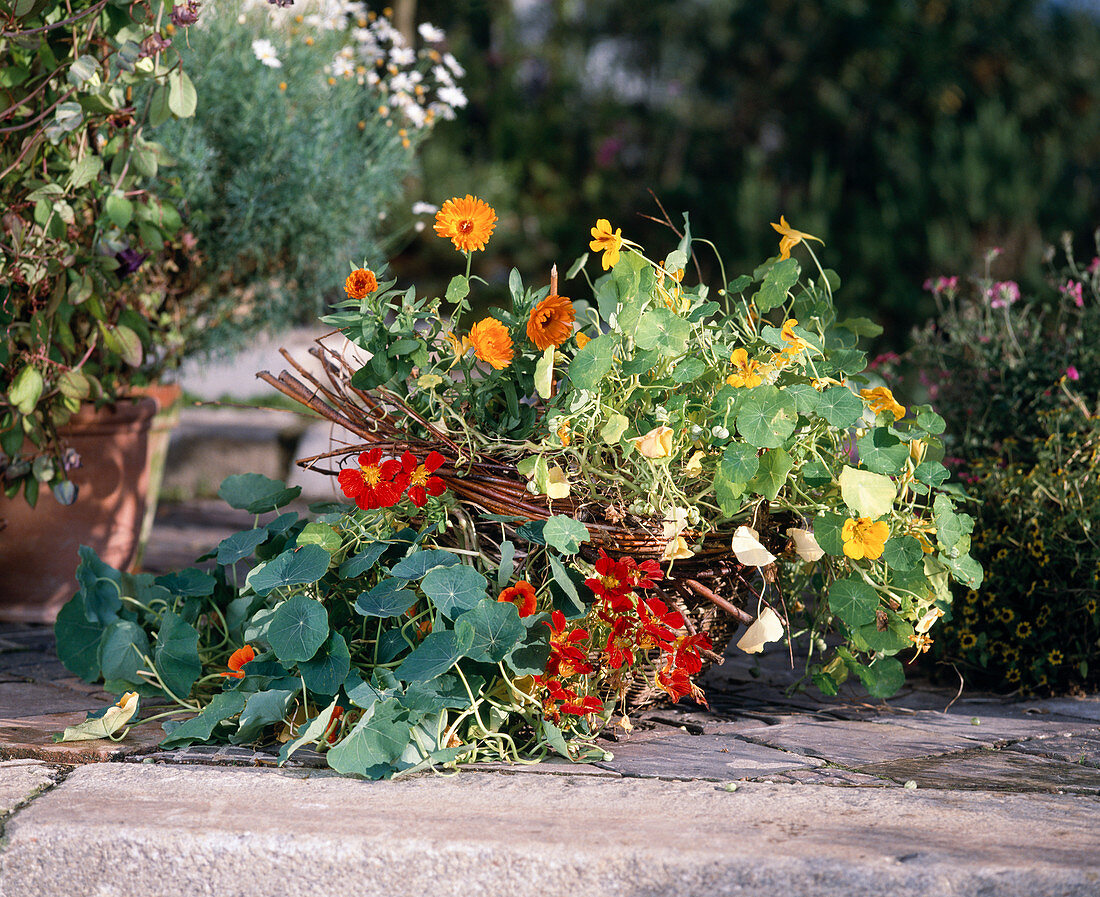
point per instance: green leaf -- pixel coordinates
(177, 655)
(807, 400)
(103, 723)
(737, 466)
(26, 389)
(222, 706)
(592, 363)
(262, 709)
(931, 473)
(387, 599)
(965, 570)
(890, 640)
(78, 640)
(689, 370)
(929, 421)
(507, 563)
(663, 330)
(854, 601)
(814, 473)
(377, 740)
(841, 407)
(828, 531)
(454, 588)
(189, 583)
(642, 362)
(119, 209)
(298, 628)
(363, 560)
(575, 268)
(861, 327)
(458, 289)
(497, 630)
(122, 651)
(555, 739)
(950, 526)
(883, 678)
(439, 651)
(544, 373)
(159, 110)
(295, 566)
(308, 734)
(882, 452)
(420, 562)
(565, 534)
(780, 278)
(255, 493)
(182, 98)
(767, 417)
(85, 171)
(902, 553)
(320, 534)
(868, 494)
(775, 464)
(240, 545)
(613, 430)
(326, 671)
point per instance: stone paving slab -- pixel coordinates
(714, 758)
(991, 724)
(830, 775)
(32, 737)
(1083, 707)
(857, 743)
(237, 833)
(987, 770)
(1080, 749)
(21, 780)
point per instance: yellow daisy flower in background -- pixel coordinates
(791, 237)
(608, 242)
(864, 538)
(746, 373)
(1055, 657)
(967, 640)
(881, 399)
(467, 223)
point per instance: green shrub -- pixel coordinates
(1018, 381)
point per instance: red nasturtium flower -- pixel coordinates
(522, 595)
(419, 477)
(237, 660)
(561, 699)
(374, 483)
(567, 658)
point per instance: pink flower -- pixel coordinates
(1074, 290)
(1094, 265)
(1073, 373)
(942, 285)
(1003, 294)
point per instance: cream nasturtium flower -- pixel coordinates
(765, 628)
(694, 466)
(805, 545)
(677, 550)
(657, 443)
(746, 545)
(926, 622)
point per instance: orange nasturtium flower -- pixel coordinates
(881, 399)
(864, 538)
(491, 343)
(468, 223)
(745, 373)
(551, 322)
(608, 242)
(790, 237)
(787, 334)
(582, 340)
(237, 660)
(360, 283)
(522, 595)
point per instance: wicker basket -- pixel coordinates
(708, 589)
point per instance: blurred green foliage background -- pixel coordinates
(911, 135)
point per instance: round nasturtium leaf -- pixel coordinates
(853, 601)
(454, 588)
(298, 628)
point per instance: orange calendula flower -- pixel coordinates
(790, 237)
(522, 595)
(746, 373)
(360, 283)
(881, 399)
(864, 538)
(551, 322)
(491, 343)
(468, 223)
(237, 660)
(608, 242)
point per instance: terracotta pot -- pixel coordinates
(38, 548)
(167, 418)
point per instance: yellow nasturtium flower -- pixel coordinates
(790, 237)
(881, 399)
(864, 538)
(608, 242)
(746, 372)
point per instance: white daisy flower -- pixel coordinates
(454, 65)
(402, 56)
(265, 52)
(430, 33)
(424, 208)
(454, 97)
